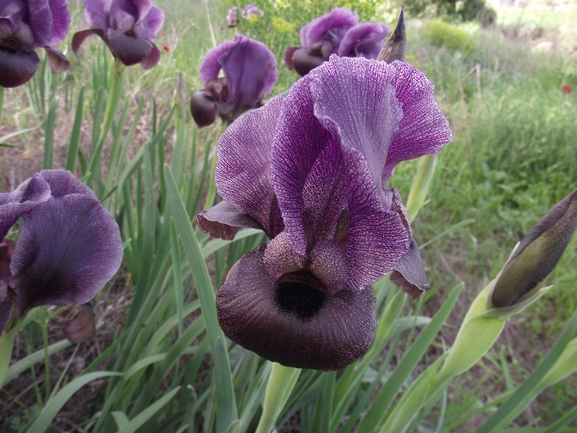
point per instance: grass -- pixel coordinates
(512, 158)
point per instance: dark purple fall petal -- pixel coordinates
(242, 174)
(67, 250)
(203, 109)
(130, 50)
(291, 322)
(79, 37)
(303, 62)
(364, 40)
(82, 327)
(224, 221)
(17, 67)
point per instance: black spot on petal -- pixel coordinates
(299, 299)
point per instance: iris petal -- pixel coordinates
(129, 49)
(242, 173)
(67, 250)
(17, 67)
(364, 40)
(337, 21)
(292, 323)
(224, 221)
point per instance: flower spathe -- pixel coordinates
(68, 247)
(310, 170)
(337, 32)
(249, 75)
(128, 27)
(24, 26)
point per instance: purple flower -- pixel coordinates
(232, 17)
(24, 26)
(250, 10)
(68, 247)
(337, 32)
(310, 170)
(249, 74)
(127, 26)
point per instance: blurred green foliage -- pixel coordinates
(442, 34)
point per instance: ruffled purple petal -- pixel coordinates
(242, 173)
(150, 25)
(67, 250)
(60, 21)
(63, 182)
(96, 13)
(291, 322)
(129, 49)
(356, 100)
(79, 37)
(364, 40)
(17, 67)
(224, 221)
(330, 27)
(211, 66)
(424, 129)
(124, 15)
(22, 200)
(40, 21)
(250, 70)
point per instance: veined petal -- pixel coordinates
(293, 323)
(150, 25)
(211, 66)
(242, 173)
(40, 21)
(124, 14)
(17, 67)
(60, 21)
(63, 182)
(424, 129)
(355, 99)
(67, 250)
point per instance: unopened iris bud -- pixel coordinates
(396, 46)
(537, 255)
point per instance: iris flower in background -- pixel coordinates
(310, 171)
(232, 17)
(249, 12)
(24, 26)
(337, 32)
(128, 27)
(68, 247)
(249, 74)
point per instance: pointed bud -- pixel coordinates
(82, 327)
(537, 254)
(396, 46)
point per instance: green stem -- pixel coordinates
(6, 343)
(280, 385)
(421, 184)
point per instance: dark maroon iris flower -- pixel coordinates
(337, 32)
(24, 26)
(68, 246)
(249, 74)
(127, 26)
(310, 171)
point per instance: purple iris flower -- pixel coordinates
(310, 171)
(249, 74)
(24, 26)
(68, 247)
(127, 26)
(337, 32)
(250, 10)
(232, 17)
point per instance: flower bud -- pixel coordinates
(396, 46)
(82, 327)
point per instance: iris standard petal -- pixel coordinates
(224, 221)
(250, 70)
(67, 250)
(123, 14)
(355, 99)
(211, 66)
(63, 182)
(17, 67)
(364, 40)
(424, 129)
(291, 322)
(130, 50)
(242, 174)
(337, 21)
(150, 25)
(60, 21)
(96, 14)
(40, 21)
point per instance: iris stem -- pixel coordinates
(6, 343)
(421, 184)
(280, 385)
